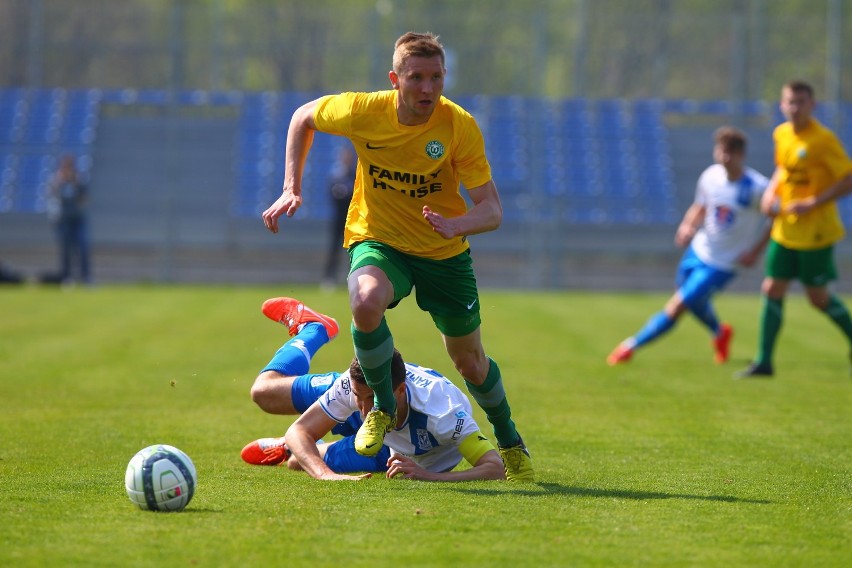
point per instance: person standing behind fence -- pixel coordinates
(722, 230)
(340, 191)
(408, 226)
(812, 172)
(67, 199)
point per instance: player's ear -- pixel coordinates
(394, 78)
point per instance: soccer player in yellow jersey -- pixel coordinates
(812, 172)
(407, 228)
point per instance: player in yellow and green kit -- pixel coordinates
(407, 228)
(812, 172)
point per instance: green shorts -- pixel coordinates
(444, 288)
(814, 268)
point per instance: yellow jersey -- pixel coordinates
(402, 168)
(808, 162)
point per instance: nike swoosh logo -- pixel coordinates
(470, 305)
(371, 147)
(371, 445)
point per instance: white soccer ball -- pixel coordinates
(160, 478)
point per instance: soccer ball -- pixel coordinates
(160, 478)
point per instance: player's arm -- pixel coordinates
(302, 439)
(300, 136)
(476, 449)
(485, 215)
(692, 221)
(834, 192)
(749, 257)
(769, 204)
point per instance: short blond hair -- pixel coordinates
(413, 44)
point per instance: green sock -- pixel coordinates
(492, 399)
(771, 316)
(838, 313)
(374, 351)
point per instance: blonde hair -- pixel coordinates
(413, 44)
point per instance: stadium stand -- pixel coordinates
(36, 127)
(581, 161)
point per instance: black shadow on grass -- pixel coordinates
(559, 489)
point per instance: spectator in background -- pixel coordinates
(722, 229)
(340, 189)
(66, 209)
(812, 171)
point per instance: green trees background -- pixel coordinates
(733, 49)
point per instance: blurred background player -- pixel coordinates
(812, 172)
(722, 229)
(409, 224)
(435, 429)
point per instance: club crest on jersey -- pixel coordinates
(423, 441)
(434, 149)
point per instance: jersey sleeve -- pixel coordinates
(474, 447)
(701, 188)
(471, 161)
(333, 114)
(338, 401)
(455, 425)
(761, 182)
(836, 160)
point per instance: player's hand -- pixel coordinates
(800, 206)
(748, 258)
(406, 468)
(341, 477)
(685, 232)
(286, 204)
(441, 225)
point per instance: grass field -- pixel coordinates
(664, 462)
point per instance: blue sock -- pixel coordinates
(656, 326)
(706, 315)
(294, 357)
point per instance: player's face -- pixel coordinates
(732, 160)
(420, 83)
(796, 106)
(363, 397)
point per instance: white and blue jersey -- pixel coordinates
(733, 223)
(439, 417)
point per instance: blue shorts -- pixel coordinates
(341, 456)
(697, 281)
(307, 389)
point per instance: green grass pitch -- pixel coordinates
(665, 461)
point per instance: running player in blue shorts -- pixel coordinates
(722, 230)
(435, 431)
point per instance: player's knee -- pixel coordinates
(820, 302)
(367, 312)
(264, 395)
(473, 368)
(260, 396)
